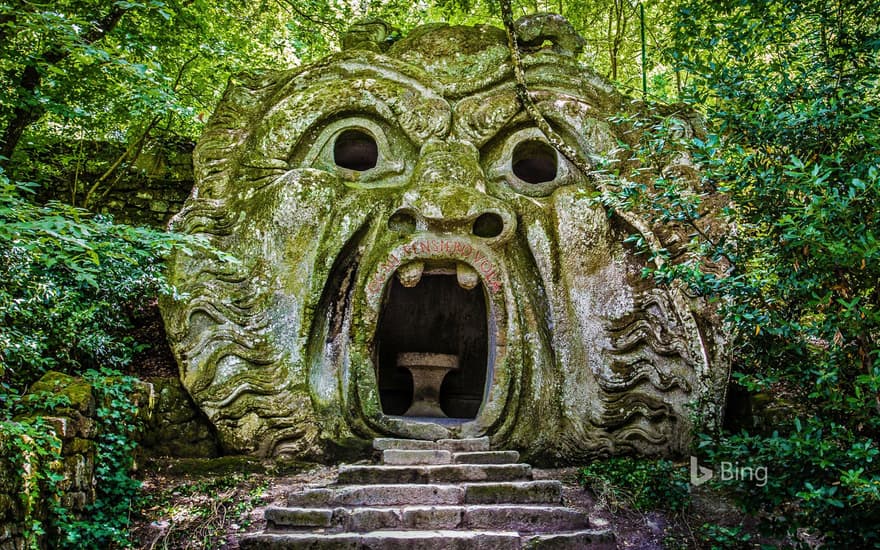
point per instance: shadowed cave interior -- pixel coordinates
(436, 316)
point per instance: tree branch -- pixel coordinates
(133, 151)
(26, 112)
(568, 152)
(314, 20)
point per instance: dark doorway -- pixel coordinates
(435, 316)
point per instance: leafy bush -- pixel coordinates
(821, 476)
(30, 455)
(723, 537)
(791, 92)
(29, 444)
(71, 282)
(639, 483)
(106, 521)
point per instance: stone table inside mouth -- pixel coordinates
(428, 371)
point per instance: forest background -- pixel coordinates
(789, 92)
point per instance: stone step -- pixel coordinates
(430, 540)
(386, 540)
(442, 473)
(379, 495)
(402, 457)
(516, 492)
(486, 457)
(452, 445)
(520, 518)
(298, 518)
(524, 519)
(589, 539)
(453, 494)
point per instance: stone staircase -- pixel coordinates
(431, 495)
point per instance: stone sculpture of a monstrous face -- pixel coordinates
(396, 199)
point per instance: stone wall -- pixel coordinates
(153, 191)
(147, 192)
(176, 427)
(25, 495)
(172, 427)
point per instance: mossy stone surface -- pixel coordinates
(280, 349)
(77, 390)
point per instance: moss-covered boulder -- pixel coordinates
(176, 427)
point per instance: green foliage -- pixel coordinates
(105, 522)
(30, 454)
(30, 445)
(721, 537)
(71, 284)
(638, 483)
(141, 73)
(821, 475)
(790, 90)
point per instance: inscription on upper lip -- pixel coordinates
(436, 247)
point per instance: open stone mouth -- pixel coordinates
(432, 341)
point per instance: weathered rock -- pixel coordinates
(486, 457)
(432, 517)
(76, 390)
(387, 540)
(299, 517)
(176, 426)
(395, 198)
(519, 492)
(524, 519)
(387, 443)
(408, 457)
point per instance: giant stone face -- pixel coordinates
(415, 260)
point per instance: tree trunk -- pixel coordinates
(26, 111)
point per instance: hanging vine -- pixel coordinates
(574, 156)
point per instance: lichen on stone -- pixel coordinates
(350, 188)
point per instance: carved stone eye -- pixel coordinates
(355, 150)
(534, 162)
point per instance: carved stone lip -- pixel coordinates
(440, 254)
(430, 247)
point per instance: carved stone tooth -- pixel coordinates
(410, 274)
(466, 275)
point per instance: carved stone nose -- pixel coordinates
(448, 196)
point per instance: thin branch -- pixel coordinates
(138, 145)
(568, 152)
(314, 20)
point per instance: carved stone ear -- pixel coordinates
(534, 30)
(374, 35)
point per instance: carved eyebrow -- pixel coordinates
(480, 118)
(420, 110)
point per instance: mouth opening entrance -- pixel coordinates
(432, 348)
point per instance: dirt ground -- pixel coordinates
(212, 510)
